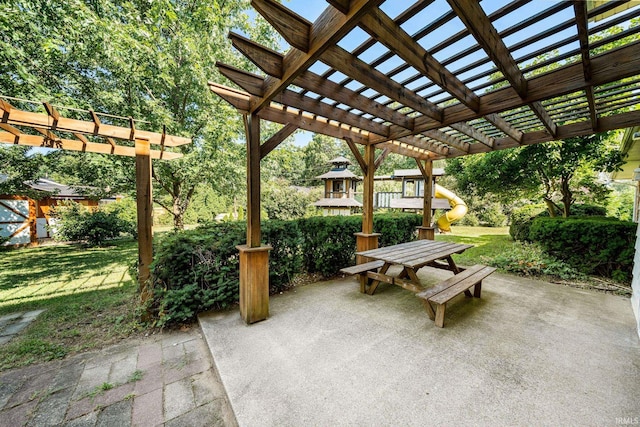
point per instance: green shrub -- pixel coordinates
(286, 258)
(596, 245)
(529, 259)
(588, 210)
(491, 215)
(395, 228)
(126, 211)
(521, 218)
(74, 222)
(198, 270)
(329, 242)
(469, 220)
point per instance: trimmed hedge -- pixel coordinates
(198, 270)
(594, 245)
(522, 218)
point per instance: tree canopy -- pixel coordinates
(558, 173)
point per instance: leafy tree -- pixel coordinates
(284, 202)
(316, 156)
(17, 167)
(558, 172)
(147, 60)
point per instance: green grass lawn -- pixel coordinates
(487, 242)
(89, 297)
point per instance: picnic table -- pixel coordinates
(412, 256)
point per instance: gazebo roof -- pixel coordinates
(338, 160)
(342, 173)
(440, 79)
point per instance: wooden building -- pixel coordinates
(413, 187)
(25, 220)
(339, 189)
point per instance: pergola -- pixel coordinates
(52, 130)
(430, 80)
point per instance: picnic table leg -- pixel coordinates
(412, 275)
(429, 308)
(456, 270)
(374, 283)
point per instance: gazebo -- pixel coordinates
(339, 189)
(429, 80)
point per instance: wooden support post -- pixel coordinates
(367, 239)
(33, 222)
(254, 257)
(426, 231)
(252, 126)
(144, 203)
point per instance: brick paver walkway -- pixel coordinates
(166, 379)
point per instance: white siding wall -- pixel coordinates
(10, 221)
(635, 284)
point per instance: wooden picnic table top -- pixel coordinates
(415, 254)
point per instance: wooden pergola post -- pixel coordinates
(367, 239)
(144, 204)
(426, 231)
(254, 257)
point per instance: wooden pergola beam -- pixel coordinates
(474, 133)
(620, 121)
(448, 139)
(381, 157)
(330, 27)
(481, 28)
(241, 101)
(504, 126)
(291, 26)
(26, 118)
(364, 167)
(582, 23)
(270, 62)
(80, 145)
(352, 66)
(607, 68)
(382, 27)
(544, 117)
(408, 150)
(275, 140)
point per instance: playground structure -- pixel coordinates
(458, 208)
(412, 195)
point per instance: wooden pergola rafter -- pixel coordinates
(437, 100)
(53, 130)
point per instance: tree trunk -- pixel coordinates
(178, 215)
(567, 197)
(551, 207)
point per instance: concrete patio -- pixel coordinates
(527, 353)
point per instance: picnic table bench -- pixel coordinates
(411, 257)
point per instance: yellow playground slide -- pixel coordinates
(458, 209)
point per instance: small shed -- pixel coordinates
(339, 189)
(25, 220)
